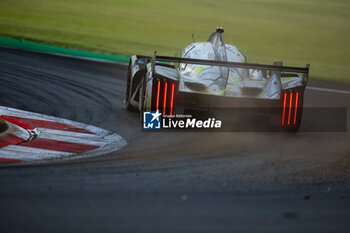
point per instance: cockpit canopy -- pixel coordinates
(217, 80)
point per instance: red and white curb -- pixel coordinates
(33, 137)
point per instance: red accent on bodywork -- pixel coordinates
(284, 108)
(158, 90)
(290, 107)
(296, 107)
(172, 99)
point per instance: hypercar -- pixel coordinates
(211, 76)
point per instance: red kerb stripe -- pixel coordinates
(56, 145)
(46, 124)
(16, 122)
(9, 140)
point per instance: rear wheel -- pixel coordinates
(142, 96)
(128, 91)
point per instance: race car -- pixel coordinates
(209, 76)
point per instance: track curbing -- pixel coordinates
(56, 139)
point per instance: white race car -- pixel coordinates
(212, 75)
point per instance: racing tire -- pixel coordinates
(142, 96)
(128, 106)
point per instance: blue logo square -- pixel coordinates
(151, 120)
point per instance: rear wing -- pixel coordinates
(277, 68)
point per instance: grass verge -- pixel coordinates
(294, 31)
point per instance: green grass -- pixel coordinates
(294, 31)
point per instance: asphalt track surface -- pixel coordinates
(167, 182)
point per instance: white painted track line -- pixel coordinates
(327, 90)
(90, 139)
(66, 133)
(29, 153)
